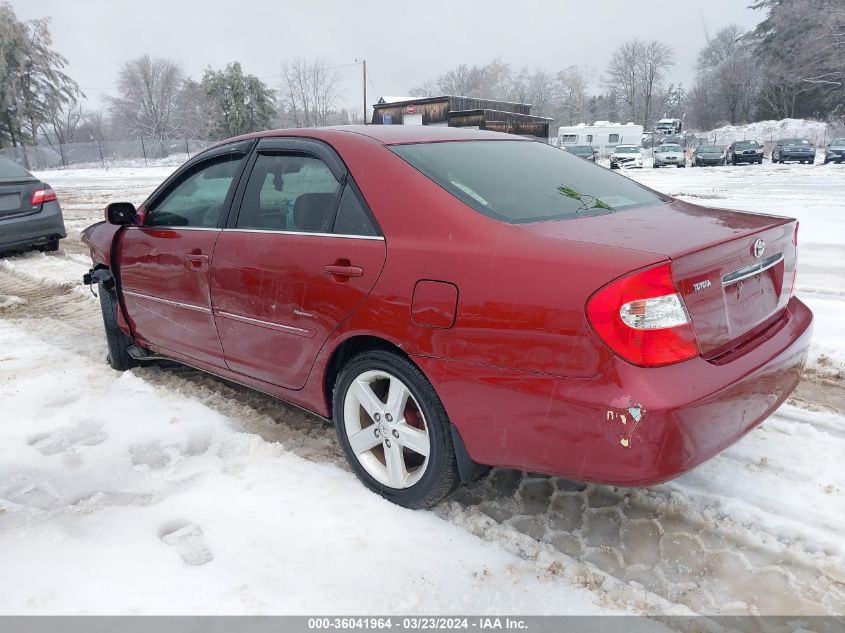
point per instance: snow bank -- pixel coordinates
(769, 132)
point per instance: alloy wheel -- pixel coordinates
(386, 429)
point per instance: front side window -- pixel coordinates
(289, 192)
(198, 199)
(522, 181)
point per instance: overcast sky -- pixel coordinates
(404, 43)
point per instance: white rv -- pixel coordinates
(603, 135)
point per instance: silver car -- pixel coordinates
(30, 215)
(669, 154)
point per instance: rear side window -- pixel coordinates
(289, 192)
(10, 169)
(352, 217)
(525, 181)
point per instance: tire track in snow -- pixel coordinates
(640, 547)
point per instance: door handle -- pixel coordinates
(345, 271)
(196, 259)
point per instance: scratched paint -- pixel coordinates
(623, 421)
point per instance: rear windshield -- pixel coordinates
(524, 181)
(10, 169)
(747, 145)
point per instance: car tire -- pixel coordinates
(50, 247)
(380, 457)
(118, 343)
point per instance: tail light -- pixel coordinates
(40, 196)
(643, 319)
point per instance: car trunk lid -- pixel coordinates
(730, 289)
(15, 196)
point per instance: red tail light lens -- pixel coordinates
(643, 319)
(40, 196)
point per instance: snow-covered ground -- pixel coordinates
(164, 490)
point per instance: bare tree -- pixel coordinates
(624, 73)
(148, 102)
(62, 125)
(311, 91)
(656, 58)
(727, 69)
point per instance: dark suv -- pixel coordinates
(797, 149)
(835, 151)
(744, 152)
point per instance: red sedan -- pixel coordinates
(456, 299)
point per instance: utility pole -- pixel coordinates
(364, 65)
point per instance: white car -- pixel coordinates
(669, 154)
(627, 156)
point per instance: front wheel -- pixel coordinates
(118, 343)
(394, 430)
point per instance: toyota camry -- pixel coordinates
(455, 299)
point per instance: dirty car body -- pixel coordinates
(569, 320)
(30, 215)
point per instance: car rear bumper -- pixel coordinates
(32, 228)
(631, 426)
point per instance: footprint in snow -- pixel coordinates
(64, 440)
(188, 540)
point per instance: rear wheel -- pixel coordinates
(50, 246)
(394, 430)
(118, 343)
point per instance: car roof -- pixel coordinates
(389, 134)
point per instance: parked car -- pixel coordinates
(628, 156)
(744, 152)
(794, 149)
(30, 215)
(456, 299)
(835, 151)
(707, 155)
(582, 151)
(669, 154)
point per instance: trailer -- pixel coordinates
(604, 136)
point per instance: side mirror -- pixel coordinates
(121, 213)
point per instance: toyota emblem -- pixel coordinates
(759, 247)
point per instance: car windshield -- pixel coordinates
(627, 149)
(709, 149)
(747, 145)
(669, 148)
(10, 169)
(796, 141)
(524, 181)
(838, 142)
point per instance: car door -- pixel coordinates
(301, 254)
(164, 264)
